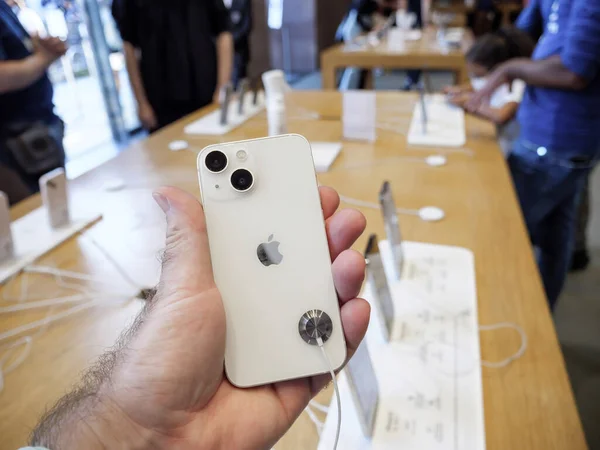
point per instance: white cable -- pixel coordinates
(56, 302)
(11, 348)
(431, 160)
(510, 359)
(318, 424)
(46, 321)
(114, 262)
(318, 406)
(364, 204)
(337, 392)
(60, 274)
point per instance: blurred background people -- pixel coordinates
(31, 134)
(487, 53)
(178, 53)
(559, 140)
(413, 7)
(240, 14)
(29, 18)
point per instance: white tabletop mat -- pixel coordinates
(429, 375)
(210, 124)
(33, 238)
(445, 124)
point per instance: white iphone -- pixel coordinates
(53, 187)
(270, 259)
(6, 239)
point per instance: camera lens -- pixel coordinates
(216, 161)
(242, 180)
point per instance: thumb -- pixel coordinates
(186, 268)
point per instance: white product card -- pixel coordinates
(445, 123)
(359, 115)
(429, 376)
(324, 154)
(6, 240)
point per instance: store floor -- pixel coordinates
(577, 316)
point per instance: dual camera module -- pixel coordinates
(241, 179)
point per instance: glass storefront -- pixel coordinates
(92, 92)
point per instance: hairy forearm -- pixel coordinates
(16, 75)
(89, 417)
(548, 73)
(135, 76)
(224, 58)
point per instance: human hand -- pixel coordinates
(147, 116)
(501, 75)
(460, 99)
(453, 90)
(166, 387)
(50, 49)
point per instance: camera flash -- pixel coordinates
(241, 155)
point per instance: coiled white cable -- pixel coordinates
(510, 359)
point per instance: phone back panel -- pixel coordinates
(264, 303)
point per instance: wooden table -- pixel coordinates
(425, 54)
(528, 405)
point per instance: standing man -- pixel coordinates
(30, 133)
(560, 126)
(178, 53)
(240, 13)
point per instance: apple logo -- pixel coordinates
(268, 253)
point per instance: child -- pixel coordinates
(487, 52)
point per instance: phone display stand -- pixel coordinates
(429, 374)
(445, 124)
(33, 237)
(210, 124)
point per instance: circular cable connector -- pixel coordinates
(314, 325)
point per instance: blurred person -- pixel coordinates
(178, 53)
(532, 22)
(487, 53)
(559, 117)
(31, 134)
(29, 18)
(240, 14)
(415, 7)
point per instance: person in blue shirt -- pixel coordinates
(30, 133)
(559, 116)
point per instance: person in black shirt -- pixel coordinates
(30, 132)
(240, 13)
(179, 55)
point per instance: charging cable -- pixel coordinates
(313, 417)
(10, 350)
(510, 359)
(337, 391)
(426, 214)
(319, 406)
